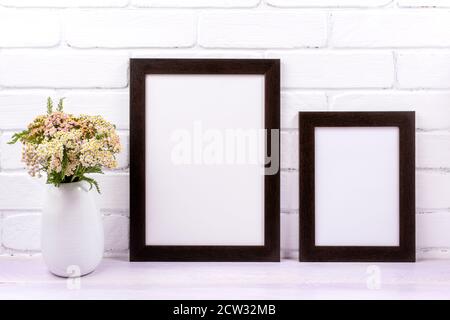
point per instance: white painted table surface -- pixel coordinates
(28, 278)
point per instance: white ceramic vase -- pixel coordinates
(72, 230)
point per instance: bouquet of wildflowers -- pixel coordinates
(67, 147)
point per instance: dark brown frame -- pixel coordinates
(139, 251)
(405, 121)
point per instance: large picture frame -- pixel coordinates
(357, 186)
(193, 212)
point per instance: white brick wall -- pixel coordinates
(196, 3)
(131, 28)
(432, 188)
(338, 69)
(433, 150)
(15, 29)
(28, 102)
(289, 234)
(336, 55)
(21, 231)
(10, 154)
(328, 3)
(431, 107)
(424, 3)
(116, 228)
(432, 230)
(293, 102)
(430, 70)
(18, 191)
(381, 29)
(289, 150)
(290, 189)
(63, 69)
(262, 29)
(63, 3)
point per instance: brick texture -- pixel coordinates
(62, 70)
(327, 3)
(136, 28)
(262, 30)
(336, 69)
(22, 231)
(418, 70)
(424, 3)
(196, 3)
(432, 111)
(45, 30)
(396, 29)
(337, 55)
(63, 3)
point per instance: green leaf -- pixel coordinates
(92, 182)
(60, 105)
(54, 178)
(49, 105)
(96, 169)
(18, 136)
(64, 164)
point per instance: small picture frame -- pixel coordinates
(196, 194)
(357, 186)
